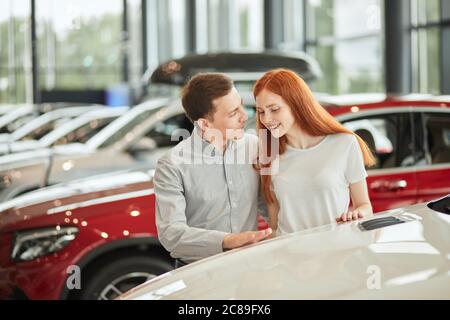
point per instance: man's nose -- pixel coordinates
(244, 115)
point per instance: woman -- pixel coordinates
(321, 163)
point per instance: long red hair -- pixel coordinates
(309, 115)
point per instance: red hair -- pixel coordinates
(309, 115)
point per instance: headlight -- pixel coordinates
(38, 243)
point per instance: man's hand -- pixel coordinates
(232, 241)
(349, 216)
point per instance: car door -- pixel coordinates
(392, 182)
(434, 175)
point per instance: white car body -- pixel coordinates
(408, 260)
(63, 130)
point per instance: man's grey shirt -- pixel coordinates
(203, 194)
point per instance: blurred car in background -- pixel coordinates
(17, 117)
(367, 130)
(104, 225)
(40, 126)
(25, 171)
(80, 130)
(5, 108)
(21, 114)
(399, 254)
(243, 67)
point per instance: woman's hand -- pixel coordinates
(360, 201)
(350, 216)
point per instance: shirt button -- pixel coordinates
(231, 182)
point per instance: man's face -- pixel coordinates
(230, 116)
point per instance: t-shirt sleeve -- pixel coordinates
(355, 170)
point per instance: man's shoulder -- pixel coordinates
(182, 153)
(168, 156)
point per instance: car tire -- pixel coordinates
(108, 279)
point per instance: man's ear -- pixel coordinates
(203, 123)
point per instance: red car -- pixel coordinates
(105, 226)
(414, 165)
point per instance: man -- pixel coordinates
(206, 199)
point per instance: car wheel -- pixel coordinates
(111, 279)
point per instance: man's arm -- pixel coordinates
(173, 232)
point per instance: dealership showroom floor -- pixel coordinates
(123, 128)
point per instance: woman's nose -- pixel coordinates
(265, 117)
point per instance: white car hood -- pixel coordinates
(17, 160)
(403, 261)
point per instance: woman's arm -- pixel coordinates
(273, 210)
(361, 203)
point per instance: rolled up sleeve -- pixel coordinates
(182, 241)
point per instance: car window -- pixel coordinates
(162, 132)
(122, 132)
(438, 137)
(421, 158)
(389, 137)
(19, 122)
(85, 132)
(45, 128)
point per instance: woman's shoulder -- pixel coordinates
(344, 142)
(344, 138)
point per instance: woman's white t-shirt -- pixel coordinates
(312, 185)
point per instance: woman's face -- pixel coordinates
(274, 113)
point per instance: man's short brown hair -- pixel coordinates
(198, 94)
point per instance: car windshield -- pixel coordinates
(126, 130)
(18, 123)
(84, 132)
(41, 130)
